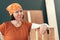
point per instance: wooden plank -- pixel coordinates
(51, 34)
(45, 36)
(39, 35)
(32, 34)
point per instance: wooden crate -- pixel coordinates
(45, 36)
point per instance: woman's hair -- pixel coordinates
(12, 17)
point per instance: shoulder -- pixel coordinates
(27, 23)
(5, 23)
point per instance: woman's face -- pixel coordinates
(18, 14)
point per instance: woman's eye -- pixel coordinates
(17, 12)
(20, 10)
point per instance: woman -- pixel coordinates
(17, 29)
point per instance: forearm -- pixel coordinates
(35, 25)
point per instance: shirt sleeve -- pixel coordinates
(29, 26)
(2, 27)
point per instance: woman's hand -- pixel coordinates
(43, 28)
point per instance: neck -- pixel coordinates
(16, 23)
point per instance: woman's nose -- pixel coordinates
(19, 14)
